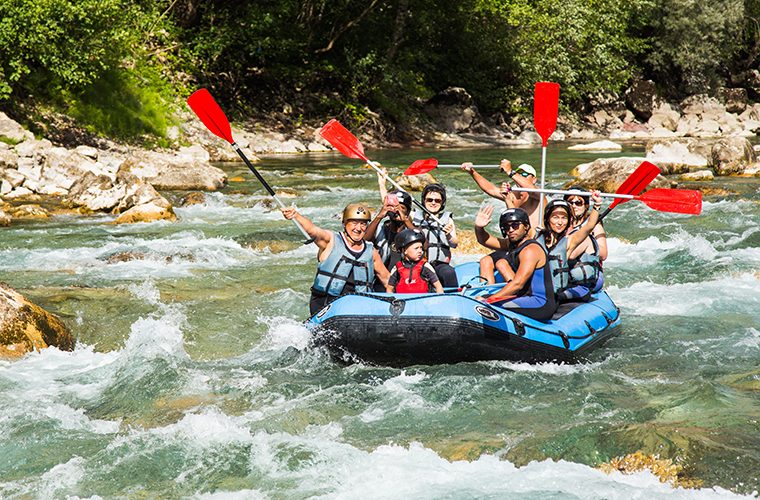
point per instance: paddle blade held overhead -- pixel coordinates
(420, 167)
(343, 140)
(680, 201)
(209, 112)
(545, 109)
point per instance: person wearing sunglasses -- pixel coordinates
(586, 261)
(530, 291)
(560, 240)
(441, 236)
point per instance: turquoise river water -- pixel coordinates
(192, 376)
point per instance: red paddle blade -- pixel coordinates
(343, 140)
(680, 201)
(209, 112)
(421, 166)
(636, 182)
(545, 109)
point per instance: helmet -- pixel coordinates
(407, 237)
(356, 211)
(578, 191)
(436, 188)
(557, 204)
(404, 198)
(512, 215)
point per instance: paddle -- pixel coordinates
(681, 201)
(634, 184)
(212, 116)
(545, 110)
(345, 142)
(419, 167)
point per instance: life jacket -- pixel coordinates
(540, 283)
(382, 241)
(410, 279)
(585, 270)
(438, 248)
(342, 267)
(558, 265)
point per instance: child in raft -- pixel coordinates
(412, 274)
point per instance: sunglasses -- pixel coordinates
(433, 200)
(522, 172)
(577, 203)
(513, 225)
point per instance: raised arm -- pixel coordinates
(481, 221)
(581, 234)
(322, 237)
(381, 181)
(484, 184)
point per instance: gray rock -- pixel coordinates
(8, 159)
(597, 146)
(11, 130)
(677, 155)
(5, 219)
(732, 155)
(606, 174)
(529, 137)
(33, 148)
(452, 110)
(87, 151)
(735, 99)
(172, 172)
(699, 175)
(641, 98)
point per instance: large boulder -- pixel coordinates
(185, 171)
(606, 174)
(641, 98)
(25, 327)
(675, 156)
(735, 99)
(732, 155)
(12, 131)
(452, 110)
(415, 182)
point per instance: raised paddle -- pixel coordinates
(681, 201)
(419, 167)
(345, 142)
(545, 110)
(212, 116)
(634, 184)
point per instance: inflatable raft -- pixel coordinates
(408, 329)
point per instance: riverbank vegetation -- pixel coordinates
(122, 67)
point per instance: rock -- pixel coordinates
(699, 175)
(193, 153)
(118, 257)
(597, 146)
(606, 174)
(415, 182)
(148, 212)
(732, 155)
(194, 198)
(316, 147)
(676, 156)
(87, 151)
(32, 148)
(29, 212)
(12, 131)
(641, 98)
(175, 172)
(452, 110)
(735, 99)
(8, 159)
(25, 326)
(5, 219)
(95, 192)
(663, 116)
(19, 192)
(530, 137)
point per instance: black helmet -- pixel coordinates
(404, 198)
(407, 237)
(578, 191)
(512, 215)
(437, 188)
(557, 204)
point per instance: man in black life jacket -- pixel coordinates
(346, 262)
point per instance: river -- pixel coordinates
(192, 375)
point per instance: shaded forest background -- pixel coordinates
(122, 68)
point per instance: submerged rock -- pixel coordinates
(25, 327)
(148, 212)
(664, 469)
(193, 198)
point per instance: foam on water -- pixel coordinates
(704, 298)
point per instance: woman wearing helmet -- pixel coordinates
(412, 274)
(346, 262)
(560, 242)
(586, 261)
(441, 236)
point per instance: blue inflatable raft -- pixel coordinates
(408, 329)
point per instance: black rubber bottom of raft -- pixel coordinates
(425, 340)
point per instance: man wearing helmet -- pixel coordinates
(560, 242)
(530, 291)
(346, 262)
(392, 218)
(412, 274)
(441, 235)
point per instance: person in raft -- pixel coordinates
(560, 242)
(441, 236)
(346, 262)
(586, 261)
(412, 274)
(524, 176)
(530, 291)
